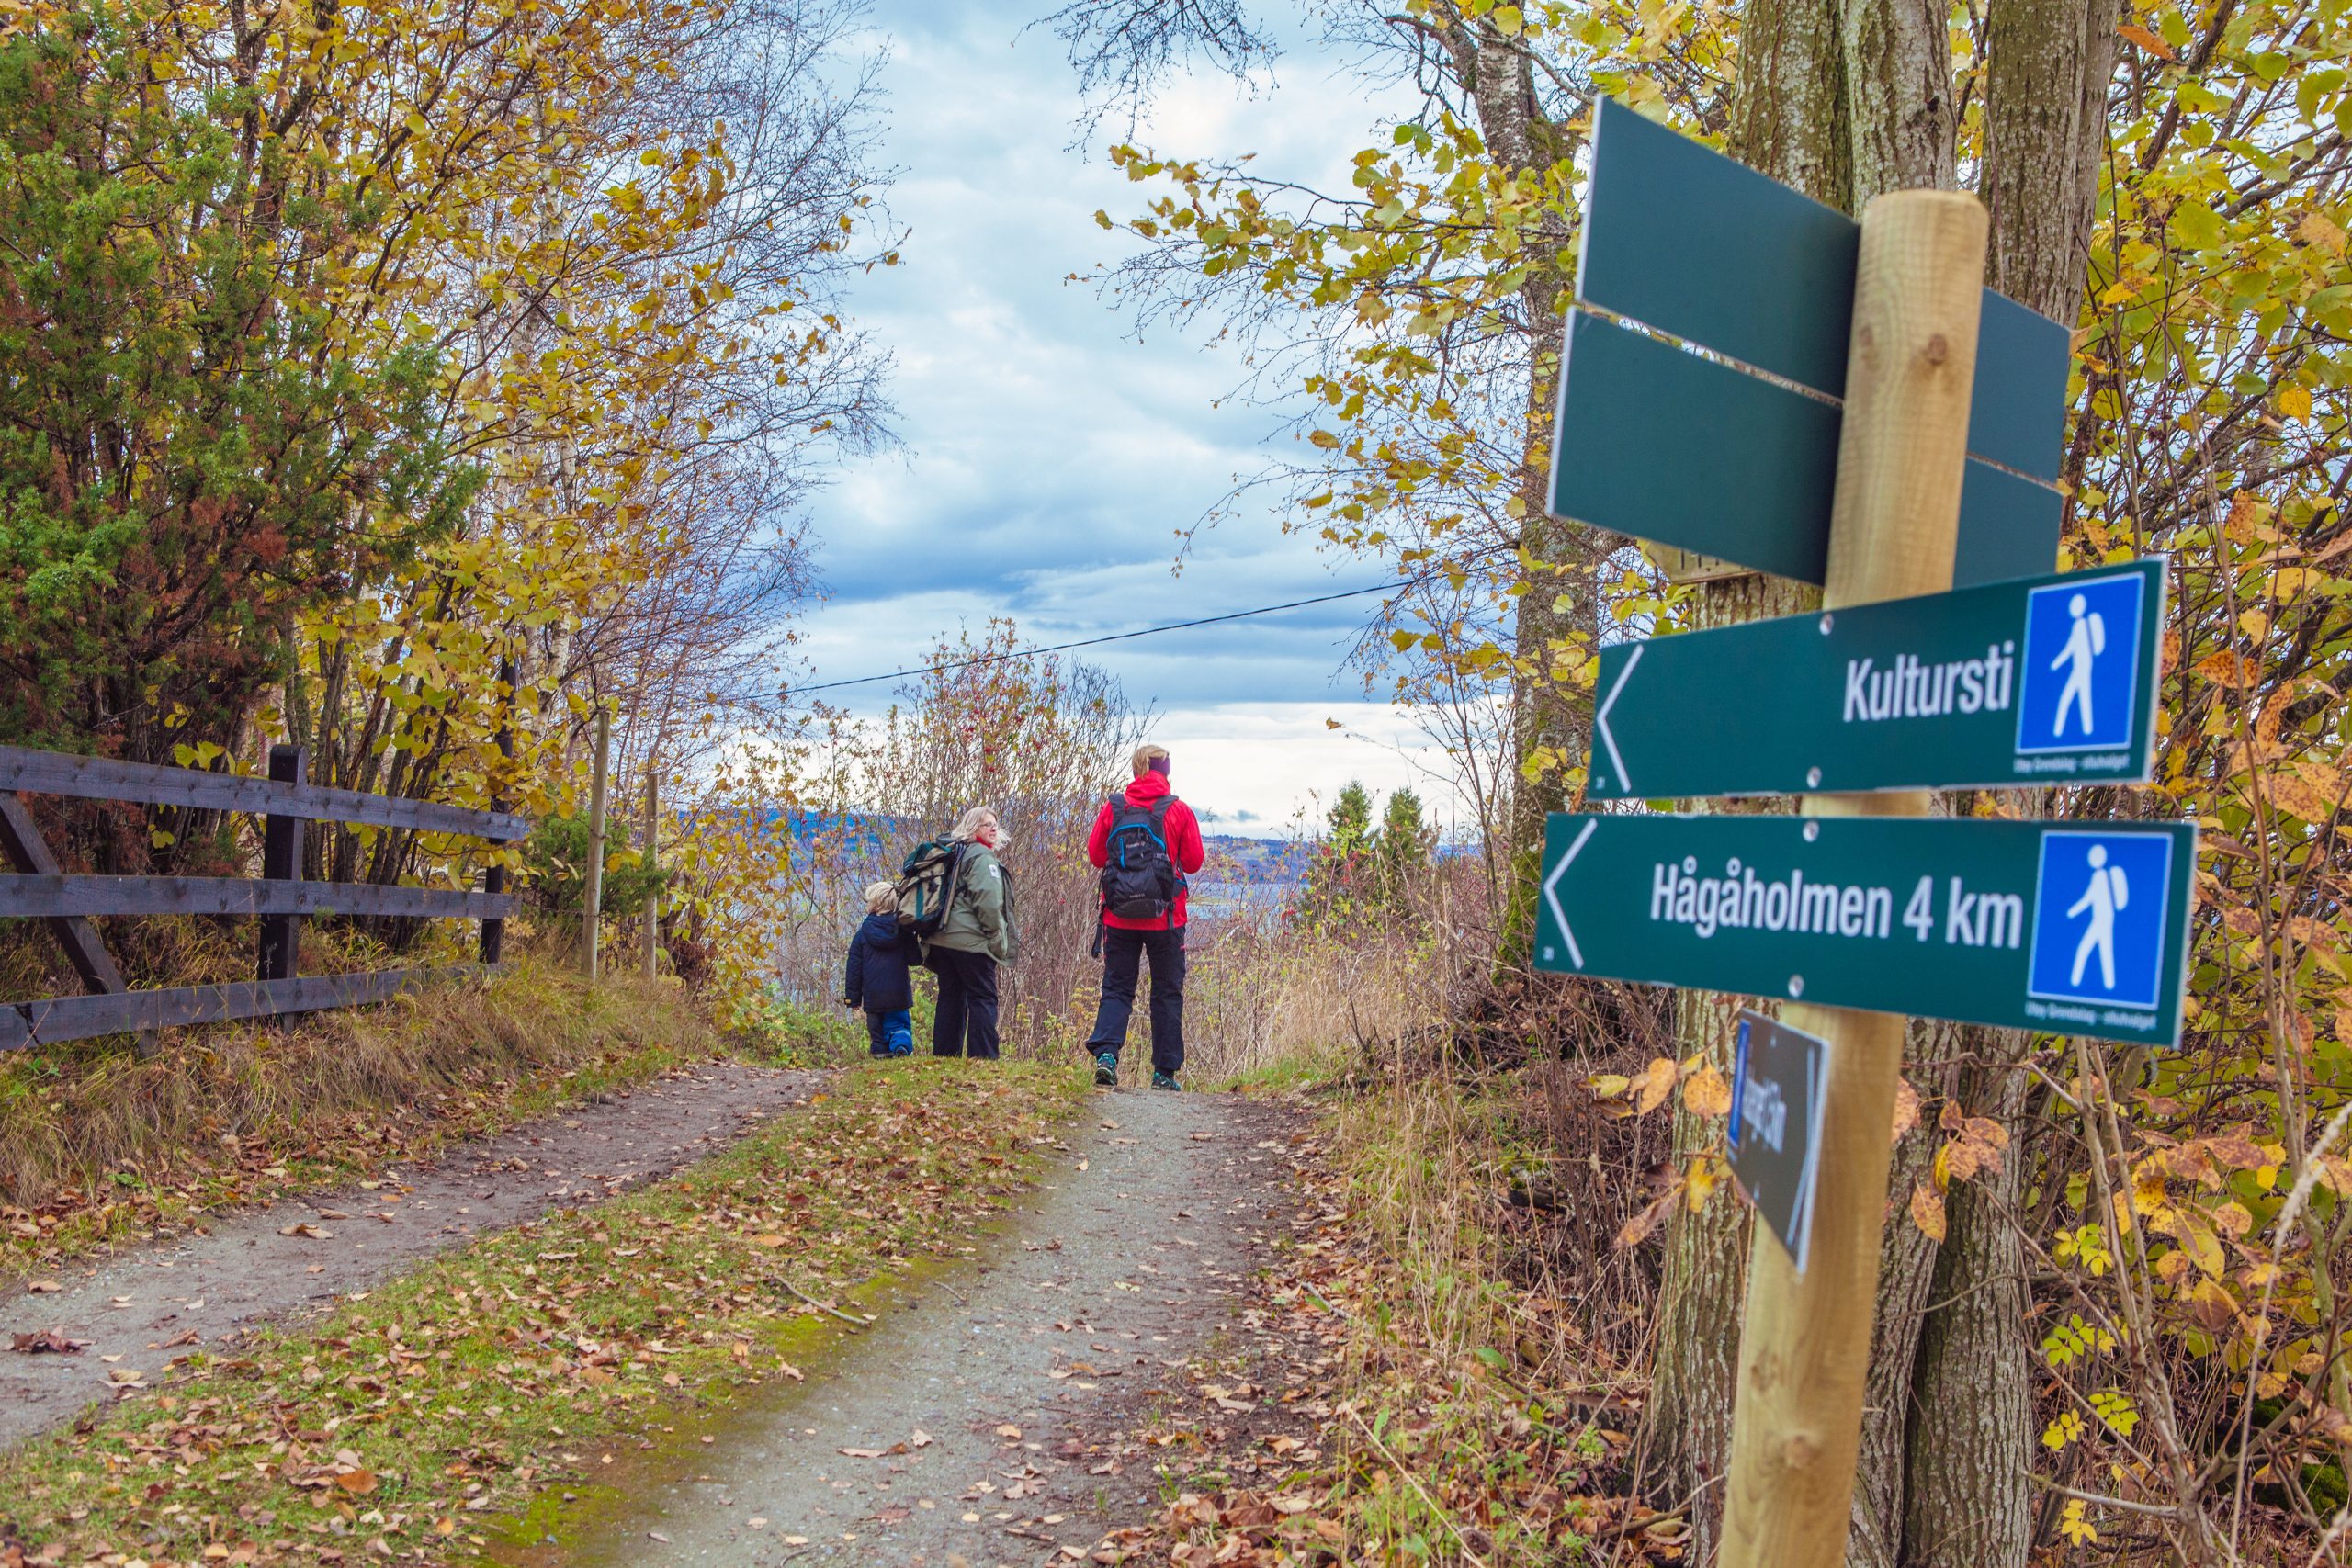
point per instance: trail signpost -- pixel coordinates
(2046, 679)
(1848, 405)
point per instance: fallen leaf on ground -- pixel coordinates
(49, 1342)
(308, 1229)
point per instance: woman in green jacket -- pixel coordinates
(977, 936)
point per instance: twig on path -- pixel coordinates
(1628, 1526)
(825, 1306)
(1410, 1480)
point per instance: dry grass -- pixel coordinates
(96, 1144)
(1269, 1002)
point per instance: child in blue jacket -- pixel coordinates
(879, 979)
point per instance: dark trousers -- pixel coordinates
(964, 1025)
(1122, 956)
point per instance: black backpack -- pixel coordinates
(1140, 880)
(927, 885)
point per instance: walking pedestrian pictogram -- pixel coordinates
(2085, 643)
(2081, 665)
(2109, 890)
(2099, 927)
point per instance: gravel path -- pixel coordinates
(981, 1399)
(143, 1309)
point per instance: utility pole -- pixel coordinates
(653, 864)
(591, 901)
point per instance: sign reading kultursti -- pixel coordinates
(2064, 928)
(2048, 680)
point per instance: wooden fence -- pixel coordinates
(284, 801)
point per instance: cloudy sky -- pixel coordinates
(1052, 458)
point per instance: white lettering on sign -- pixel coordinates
(1763, 1113)
(1740, 900)
(1983, 920)
(1910, 689)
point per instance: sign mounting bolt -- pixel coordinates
(1813, 778)
(1828, 622)
(1812, 830)
(1796, 986)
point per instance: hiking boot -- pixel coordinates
(1163, 1080)
(1106, 1071)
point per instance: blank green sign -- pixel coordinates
(1657, 442)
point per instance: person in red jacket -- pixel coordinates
(1146, 842)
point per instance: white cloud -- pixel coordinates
(1052, 460)
(1270, 769)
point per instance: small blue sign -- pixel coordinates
(2082, 665)
(2100, 924)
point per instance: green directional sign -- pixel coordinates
(2043, 681)
(1732, 452)
(2077, 928)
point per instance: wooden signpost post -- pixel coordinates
(1805, 1345)
(1855, 409)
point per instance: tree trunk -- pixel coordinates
(2045, 139)
(1558, 623)
(1966, 1503)
(1686, 1425)
(1906, 1273)
(1788, 120)
(1969, 1433)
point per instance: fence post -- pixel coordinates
(493, 927)
(1804, 1348)
(653, 864)
(592, 900)
(281, 861)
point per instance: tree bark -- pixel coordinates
(1789, 121)
(1898, 97)
(1557, 622)
(1686, 1425)
(1966, 1502)
(1907, 1271)
(2047, 68)
(1970, 1432)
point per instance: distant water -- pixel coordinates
(1213, 899)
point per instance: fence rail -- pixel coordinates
(41, 890)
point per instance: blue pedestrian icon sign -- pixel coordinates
(2099, 926)
(2081, 665)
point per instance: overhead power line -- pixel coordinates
(941, 669)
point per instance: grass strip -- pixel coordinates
(98, 1148)
(408, 1415)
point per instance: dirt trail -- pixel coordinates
(148, 1306)
(995, 1386)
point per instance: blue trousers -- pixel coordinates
(892, 1034)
